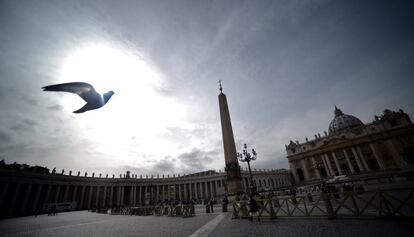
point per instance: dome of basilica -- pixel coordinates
(343, 121)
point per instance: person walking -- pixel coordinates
(211, 205)
(225, 203)
(253, 208)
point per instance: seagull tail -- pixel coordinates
(81, 110)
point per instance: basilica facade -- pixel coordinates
(351, 147)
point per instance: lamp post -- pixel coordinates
(247, 157)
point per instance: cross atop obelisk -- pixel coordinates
(234, 180)
(221, 88)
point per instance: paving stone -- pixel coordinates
(85, 223)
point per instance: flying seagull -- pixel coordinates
(93, 99)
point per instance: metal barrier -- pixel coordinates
(172, 211)
(393, 203)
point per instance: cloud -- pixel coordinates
(30, 101)
(283, 65)
(5, 137)
(165, 166)
(24, 125)
(196, 160)
(55, 107)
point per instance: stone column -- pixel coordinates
(122, 195)
(162, 193)
(377, 155)
(206, 190)
(364, 162)
(208, 187)
(337, 163)
(90, 197)
(104, 197)
(318, 175)
(204, 187)
(14, 199)
(139, 194)
(293, 169)
(97, 196)
(214, 188)
(4, 194)
(47, 195)
(118, 196)
(196, 190)
(157, 196)
(111, 197)
(191, 190)
(305, 169)
(82, 197)
(185, 191)
(179, 191)
(36, 199)
(131, 196)
(25, 198)
(325, 165)
(135, 195)
(395, 154)
(75, 192)
(361, 168)
(145, 193)
(351, 167)
(65, 196)
(167, 191)
(57, 194)
(328, 161)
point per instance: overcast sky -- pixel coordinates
(284, 65)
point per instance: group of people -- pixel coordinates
(253, 206)
(209, 205)
(52, 211)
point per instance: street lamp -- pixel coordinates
(247, 157)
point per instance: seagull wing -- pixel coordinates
(84, 90)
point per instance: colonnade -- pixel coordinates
(28, 192)
(22, 198)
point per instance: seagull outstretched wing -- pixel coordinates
(93, 99)
(84, 90)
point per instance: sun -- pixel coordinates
(137, 112)
(106, 67)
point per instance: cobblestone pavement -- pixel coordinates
(313, 227)
(85, 223)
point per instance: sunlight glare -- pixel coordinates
(136, 114)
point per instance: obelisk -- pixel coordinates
(234, 179)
